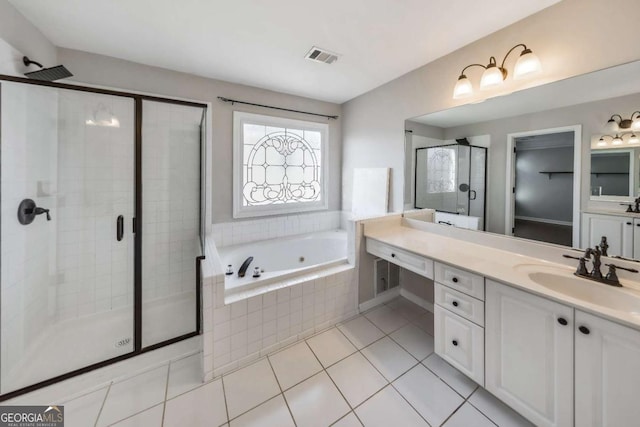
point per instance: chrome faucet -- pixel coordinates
(244, 266)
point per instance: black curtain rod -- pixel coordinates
(235, 101)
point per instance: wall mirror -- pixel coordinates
(545, 163)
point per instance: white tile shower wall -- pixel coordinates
(29, 169)
(171, 198)
(96, 184)
(234, 233)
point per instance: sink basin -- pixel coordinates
(563, 281)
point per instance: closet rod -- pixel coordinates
(235, 101)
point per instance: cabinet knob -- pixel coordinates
(454, 280)
(562, 321)
(454, 342)
(629, 223)
(455, 303)
(584, 330)
(393, 255)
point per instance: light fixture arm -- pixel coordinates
(633, 116)
(524, 48)
(471, 65)
(618, 116)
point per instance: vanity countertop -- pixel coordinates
(504, 266)
(614, 213)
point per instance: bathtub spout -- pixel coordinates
(244, 266)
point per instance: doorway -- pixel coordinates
(543, 186)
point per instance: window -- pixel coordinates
(441, 170)
(279, 165)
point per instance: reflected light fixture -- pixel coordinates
(617, 123)
(103, 117)
(527, 65)
(618, 139)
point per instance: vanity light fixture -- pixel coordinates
(618, 139)
(617, 123)
(527, 65)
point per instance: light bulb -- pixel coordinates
(612, 126)
(602, 142)
(463, 88)
(491, 77)
(635, 125)
(527, 65)
(633, 139)
(617, 140)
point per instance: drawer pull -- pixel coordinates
(393, 255)
(584, 330)
(454, 280)
(455, 303)
(562, 321)
(454, 342)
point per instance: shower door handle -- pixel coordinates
(472, 194)
(120, 228)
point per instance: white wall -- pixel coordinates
(567, 39)
(111, 72)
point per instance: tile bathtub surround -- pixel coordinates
(234, 233)
(352, 391)
(238, 333)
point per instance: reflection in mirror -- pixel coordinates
(451, 179)
(615, 175)
(556, 171)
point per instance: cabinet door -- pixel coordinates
(459, 342)
(529, 354)
(636, 238)
(607, 370)
(618, 229)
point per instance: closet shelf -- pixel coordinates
(555, 172)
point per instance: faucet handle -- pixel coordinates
(582, 267)
(630, 270)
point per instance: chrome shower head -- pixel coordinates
(46, 74)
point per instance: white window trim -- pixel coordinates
(239, 211)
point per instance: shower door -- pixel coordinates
(67, 250)
(171, 219)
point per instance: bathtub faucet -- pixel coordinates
(244, 266)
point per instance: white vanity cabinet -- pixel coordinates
(636, 238)
(618, 229)
(529, 354)
(459, 319)
(607, 369)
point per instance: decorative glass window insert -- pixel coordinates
(441, 170)
(279, 165)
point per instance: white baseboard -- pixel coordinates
(417, 300)
(380, 299)
(545, 220)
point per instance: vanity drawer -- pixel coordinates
(405, 259)
(460, 342)
(463, 281)
(459, 303)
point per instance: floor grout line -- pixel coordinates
(166, 393)
(282, 391)
(224, 395)
(104, 401)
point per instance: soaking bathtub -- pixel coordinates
(283, 259)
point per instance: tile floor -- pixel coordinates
(377, 369)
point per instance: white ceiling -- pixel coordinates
(263, 43)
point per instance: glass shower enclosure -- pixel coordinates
(101, 226)
(452, 178)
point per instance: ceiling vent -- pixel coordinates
(321, 55)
